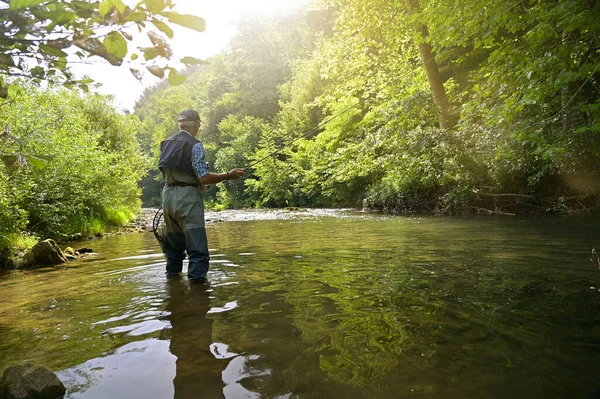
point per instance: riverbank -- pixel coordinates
(144, 221)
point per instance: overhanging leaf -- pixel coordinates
(38, 161)
(136, 73)
(116, 44)
(105, 7)
(21, 4)
(52, 51)
(156, 71)
(96, 47)
(155, 6)
(164, 28)
(189, 21)
(6, 59)
(149, 52)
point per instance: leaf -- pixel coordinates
(8, 159)
(175, 78)
(119, 5)
(156, 71)
(37, 161)
(134, 57)
(193, 61)
(115, 44)
(21, 4)
(163, 27)
(135, 16)
(161, 45)
(37, 71)
(156, 39)
(189, 21)
(60, 63)
(136, 73)
(96, 47)
(149, 52)
(59, 43)
(55, 52)
(105, 7)
(6, 59)
(83, 8)
(155, 6)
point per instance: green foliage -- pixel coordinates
(521, 80)
(92, 164)
(40, 32)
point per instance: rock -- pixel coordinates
(30, 381)
(44, 253)
(84, 250)
(27, 261)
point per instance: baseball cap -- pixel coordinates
(188, 115)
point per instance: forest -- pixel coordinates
(400, 106)
(391, 105)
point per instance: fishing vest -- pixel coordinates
(176, 153)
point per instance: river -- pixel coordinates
(322, 304)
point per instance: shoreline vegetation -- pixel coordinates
(443, 109)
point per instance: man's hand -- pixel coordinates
(235, 174)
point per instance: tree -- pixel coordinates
(36, 35)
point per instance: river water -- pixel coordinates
(324, 304)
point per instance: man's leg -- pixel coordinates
(197, 248)
(174, 245)
(174, 249)
(196, 242)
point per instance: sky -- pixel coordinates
(220, 17)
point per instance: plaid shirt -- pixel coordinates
(198, 162)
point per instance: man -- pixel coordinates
(186, 173)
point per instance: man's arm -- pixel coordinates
(213, 178)
(201, 168)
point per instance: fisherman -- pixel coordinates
(185, 172)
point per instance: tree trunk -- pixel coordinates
(446, 118)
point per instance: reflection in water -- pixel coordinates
(356, 307)
(198, 371)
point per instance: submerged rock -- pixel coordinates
(44, 253)
(30, 381)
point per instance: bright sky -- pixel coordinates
(219, 15)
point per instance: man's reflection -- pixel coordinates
(198, 372)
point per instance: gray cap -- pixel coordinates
(188, 115)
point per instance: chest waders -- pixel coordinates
(183, 208)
